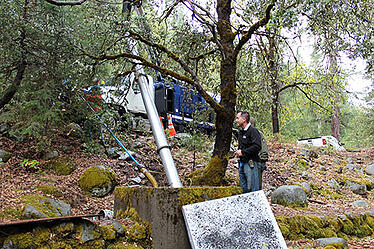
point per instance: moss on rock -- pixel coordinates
(50, 190)
(39, 238)
(62, 166)
(11, 213)
(124, 245)
(107, 232)
(199, 194)
(212, 175)
(60, 245)
(334, 246)
(97, 177)
(313, 227)
(64, 229)
(35, 201)
(21, 241)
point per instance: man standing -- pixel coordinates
(249, 145)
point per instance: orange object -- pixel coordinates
(172, 131)
(161, 123)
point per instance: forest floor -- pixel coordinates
(285, 167)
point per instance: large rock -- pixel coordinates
(289, 195)
(356, 188)
(98, 181)
(88, 231)
(333, 240)
(30, 212)
(46, 208)
(61, 208)
(306, 187)
(361, 203)
(370, 169)
(4, 156)
(115, 224)
(334, 184)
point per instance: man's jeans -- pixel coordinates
(250, 176)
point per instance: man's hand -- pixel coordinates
(238, 153)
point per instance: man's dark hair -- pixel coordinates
(245, 115)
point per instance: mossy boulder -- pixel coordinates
(98, 181)
(62, 165)
(314, 227)
(40, 207)
(76, 234)
(212, 175)
(4, 156)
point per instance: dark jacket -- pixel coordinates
(249, 144)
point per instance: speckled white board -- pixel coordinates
(237, 222)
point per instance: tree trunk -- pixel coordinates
(273, 81)
(333, 71)
(225, 119)
(214, 173)
(12, 89)
(274, 112)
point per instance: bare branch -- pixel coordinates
(66, 3)
(172, 55)
(247, 35)
(199, 57)
(170, 9)
(312, 100)
(199, 18)
(107, 2)
(285, 39)
(297, 84)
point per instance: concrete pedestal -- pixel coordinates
(162, 208)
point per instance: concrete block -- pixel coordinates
(241, 221)
(162, 208)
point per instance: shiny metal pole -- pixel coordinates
(159, 134)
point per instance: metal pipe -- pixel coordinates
(159, 134)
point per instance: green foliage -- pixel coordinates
(31, 165)
(196, 142)
(62, 166)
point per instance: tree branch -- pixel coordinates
(170, 9)
(312, 100)
(247, 35)
(13, 88)
(199, 57)
(294, 85)
(193, 82)
(200, 19)
(66, 3)
(172, 55)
